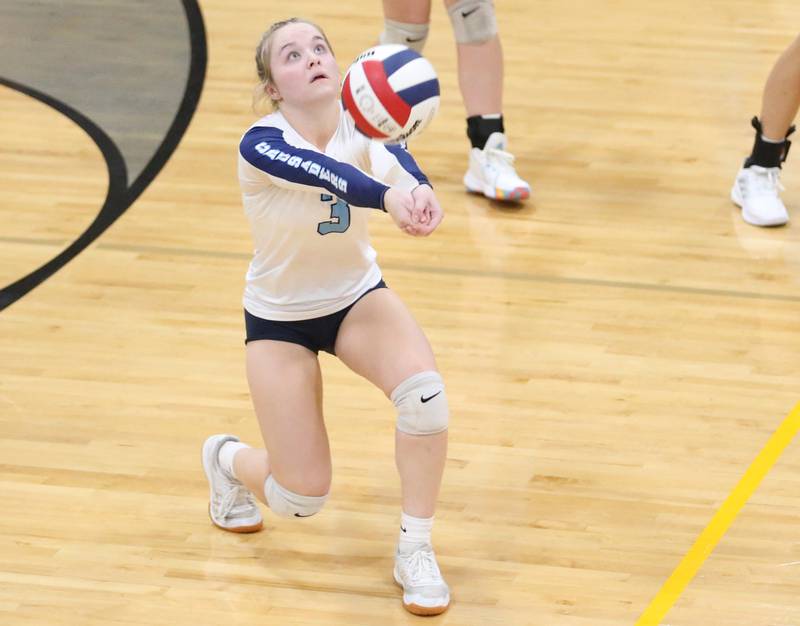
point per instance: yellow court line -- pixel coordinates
(718, 526)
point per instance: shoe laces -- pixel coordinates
(768, 181)
(422, 568)
(500, 159)
(236, 500)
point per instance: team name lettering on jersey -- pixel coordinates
(309, 166)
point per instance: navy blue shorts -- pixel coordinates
(316, 334)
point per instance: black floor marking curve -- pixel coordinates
(119, 196)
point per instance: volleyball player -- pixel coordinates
(757, 187)
(480, 77)
(313, 284)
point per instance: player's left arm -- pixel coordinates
(394, 165)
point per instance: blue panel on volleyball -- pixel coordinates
(396, 61)
(418, 93)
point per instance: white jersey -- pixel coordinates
(308, 212)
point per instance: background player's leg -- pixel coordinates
(407, 11)
(781, 97)
(480, 74)
(757, 187)
(480, 78)
(406, 23)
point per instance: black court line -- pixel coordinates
(480, 273)
(119, 196)
(449, 271)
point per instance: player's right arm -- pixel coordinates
(289, 166)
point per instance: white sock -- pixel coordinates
(766, 139)
(414, 531)
(226, 454)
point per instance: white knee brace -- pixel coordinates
(412, 35)
(421, 404)
(473, 20)
(289, 504)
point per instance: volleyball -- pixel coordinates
(391, 92)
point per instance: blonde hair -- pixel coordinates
(263, 52)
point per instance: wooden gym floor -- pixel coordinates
(617, 350)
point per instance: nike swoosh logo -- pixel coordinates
(403, 529)
(409, 40)
(298, 515)
(423, 399)
(468, 13)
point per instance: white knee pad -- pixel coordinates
(421, 404)
(473, 20)
(412, 35)
(289, 504)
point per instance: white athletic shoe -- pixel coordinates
(491, 172)
(424, 589)
(757, 190)
(231, 505)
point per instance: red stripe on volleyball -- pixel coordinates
(394, 104)
(361, 123)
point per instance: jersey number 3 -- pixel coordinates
(340, 216)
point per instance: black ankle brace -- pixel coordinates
(479, 128)
(765, 153)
